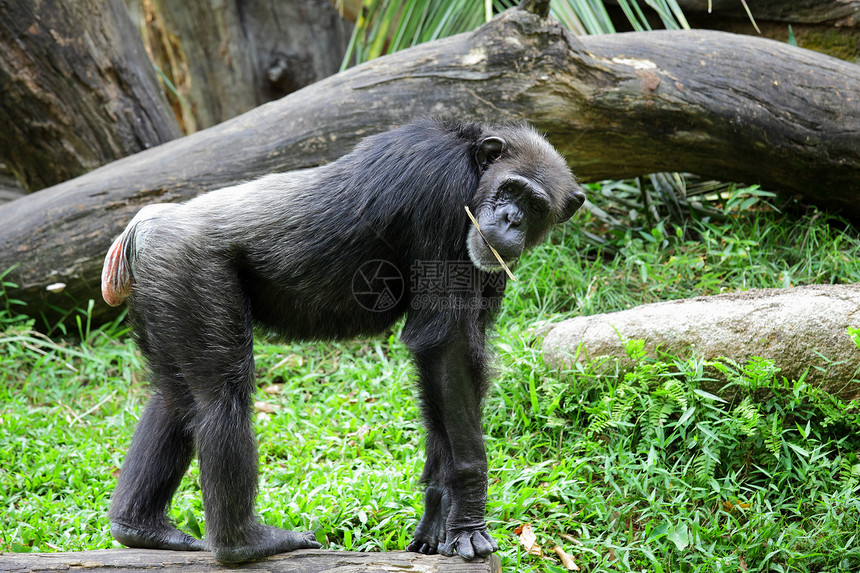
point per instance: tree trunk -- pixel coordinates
(10, 188)
(225, 58)
(301, 561)
(802, 329)
(77, 90)
(724, 106)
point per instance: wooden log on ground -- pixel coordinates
(724, 106)
(803, 330)
(301, 561)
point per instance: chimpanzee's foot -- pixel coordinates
(430, 531)
(469, 544)
(162, 536)
(267, 540)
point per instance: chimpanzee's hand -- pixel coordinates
(430, 531)
(469, 543)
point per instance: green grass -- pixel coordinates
(624, 470)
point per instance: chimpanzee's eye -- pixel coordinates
(507, 194)
(536, 206)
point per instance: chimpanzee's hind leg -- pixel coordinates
(227, 451)
(160, 452)
(215, 347)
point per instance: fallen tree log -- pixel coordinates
(802, 329)
(724, 106)
(301, 561)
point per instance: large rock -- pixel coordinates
(798, 328)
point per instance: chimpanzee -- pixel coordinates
(291, 253)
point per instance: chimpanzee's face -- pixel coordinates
(525, 188)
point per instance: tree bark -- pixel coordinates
(301, 561)
(77, 90)
(10, 188)
(225, 58)
(720, 105)
(802, 329)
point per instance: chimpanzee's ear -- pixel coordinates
(574, 200)
(489, 150)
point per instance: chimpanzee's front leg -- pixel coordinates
(430, 532)
(456, 471)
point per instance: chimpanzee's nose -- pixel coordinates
(512, 214)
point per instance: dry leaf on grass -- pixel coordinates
(566, 559)
(528, 539)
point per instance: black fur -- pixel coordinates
(285, 252)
